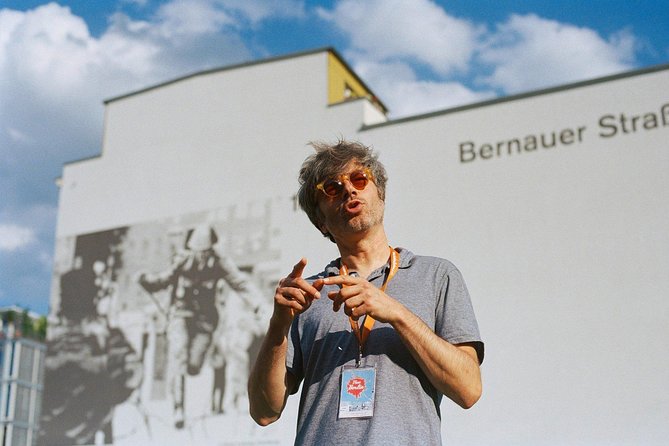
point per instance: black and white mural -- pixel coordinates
(153, 328)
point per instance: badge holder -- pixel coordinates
(358, 388)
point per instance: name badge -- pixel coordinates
(356, 398)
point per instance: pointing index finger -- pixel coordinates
(298, 269)
(340, 280)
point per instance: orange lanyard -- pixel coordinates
(362, 335)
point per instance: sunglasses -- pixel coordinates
(357, 178)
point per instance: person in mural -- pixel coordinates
(90, 366)
(193, 315)
(356, 374)
(233, 341)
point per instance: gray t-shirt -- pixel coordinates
(407, 405)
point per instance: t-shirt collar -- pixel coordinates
(406, 257)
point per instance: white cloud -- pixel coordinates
(14, 237)
(255, 11)
(405, 94)
(191, 17)
(418, 31)
(18, 136)
(427, 96)
(38, 52)
(179, 17)
(391, 39)
(529, 52)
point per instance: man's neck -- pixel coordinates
(365, 254)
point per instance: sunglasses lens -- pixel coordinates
(358, 180)
(332, 188)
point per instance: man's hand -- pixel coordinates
(294, 294)
(359, 297)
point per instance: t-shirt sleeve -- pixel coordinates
(456, 321)
(294, 355)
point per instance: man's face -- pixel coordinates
(353, 211)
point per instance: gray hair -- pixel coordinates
(328, 162)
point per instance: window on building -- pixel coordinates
(22, 405)
(26, 361)
(19, 435)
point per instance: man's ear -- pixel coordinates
(324, 229)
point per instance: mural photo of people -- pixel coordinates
(85, 349)
(193, 314)
(152, 329)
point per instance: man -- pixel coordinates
(194, 277)
(376, 377)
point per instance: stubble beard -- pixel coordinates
(371, 216)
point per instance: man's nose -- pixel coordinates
(349, 189)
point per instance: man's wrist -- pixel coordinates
(279, 324)
(402, 317)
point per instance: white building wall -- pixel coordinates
(564, 249)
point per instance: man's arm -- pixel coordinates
(452, 369)
(270, 383)
(160, 281)
(240, 282)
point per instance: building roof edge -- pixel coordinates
(224, 68)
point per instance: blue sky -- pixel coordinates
(59, 61)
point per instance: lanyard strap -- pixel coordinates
(362, 335)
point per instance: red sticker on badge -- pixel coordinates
(356, 386)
